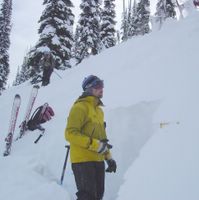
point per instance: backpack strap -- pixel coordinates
(33, 115)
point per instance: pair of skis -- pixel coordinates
(23, 126)
(14, 115)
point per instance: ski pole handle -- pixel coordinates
(65, 162)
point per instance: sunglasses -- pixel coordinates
(98, 84)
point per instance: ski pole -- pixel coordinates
(57, 74)
(65, 162)
(43, 131)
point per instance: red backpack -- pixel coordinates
(41, 115)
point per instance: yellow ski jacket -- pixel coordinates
(85, 128)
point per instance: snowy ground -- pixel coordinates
(148, 81)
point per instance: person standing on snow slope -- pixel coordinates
(48, 65)
(85, 131)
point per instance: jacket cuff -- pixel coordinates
(94, 146)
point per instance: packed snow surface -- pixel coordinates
(151, 108)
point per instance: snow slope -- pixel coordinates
(148, 81)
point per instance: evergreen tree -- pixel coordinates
(129, 26)
(76, 38)
(160, 12)
(108, 31)
(124, 25)
(17, 78)
(24, 73)
(56, 36)
(170, 9)
(129, 18)
(143, 16)
(164, 10)
(133, 26)
(5, 28)
(89, 42)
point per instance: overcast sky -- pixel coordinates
(25, 16)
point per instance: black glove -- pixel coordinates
(112, 166)
(104, 146)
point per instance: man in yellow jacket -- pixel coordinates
(89, 145)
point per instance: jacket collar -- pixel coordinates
(90, 98)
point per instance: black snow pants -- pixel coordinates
(89, 178)
(46, 76)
